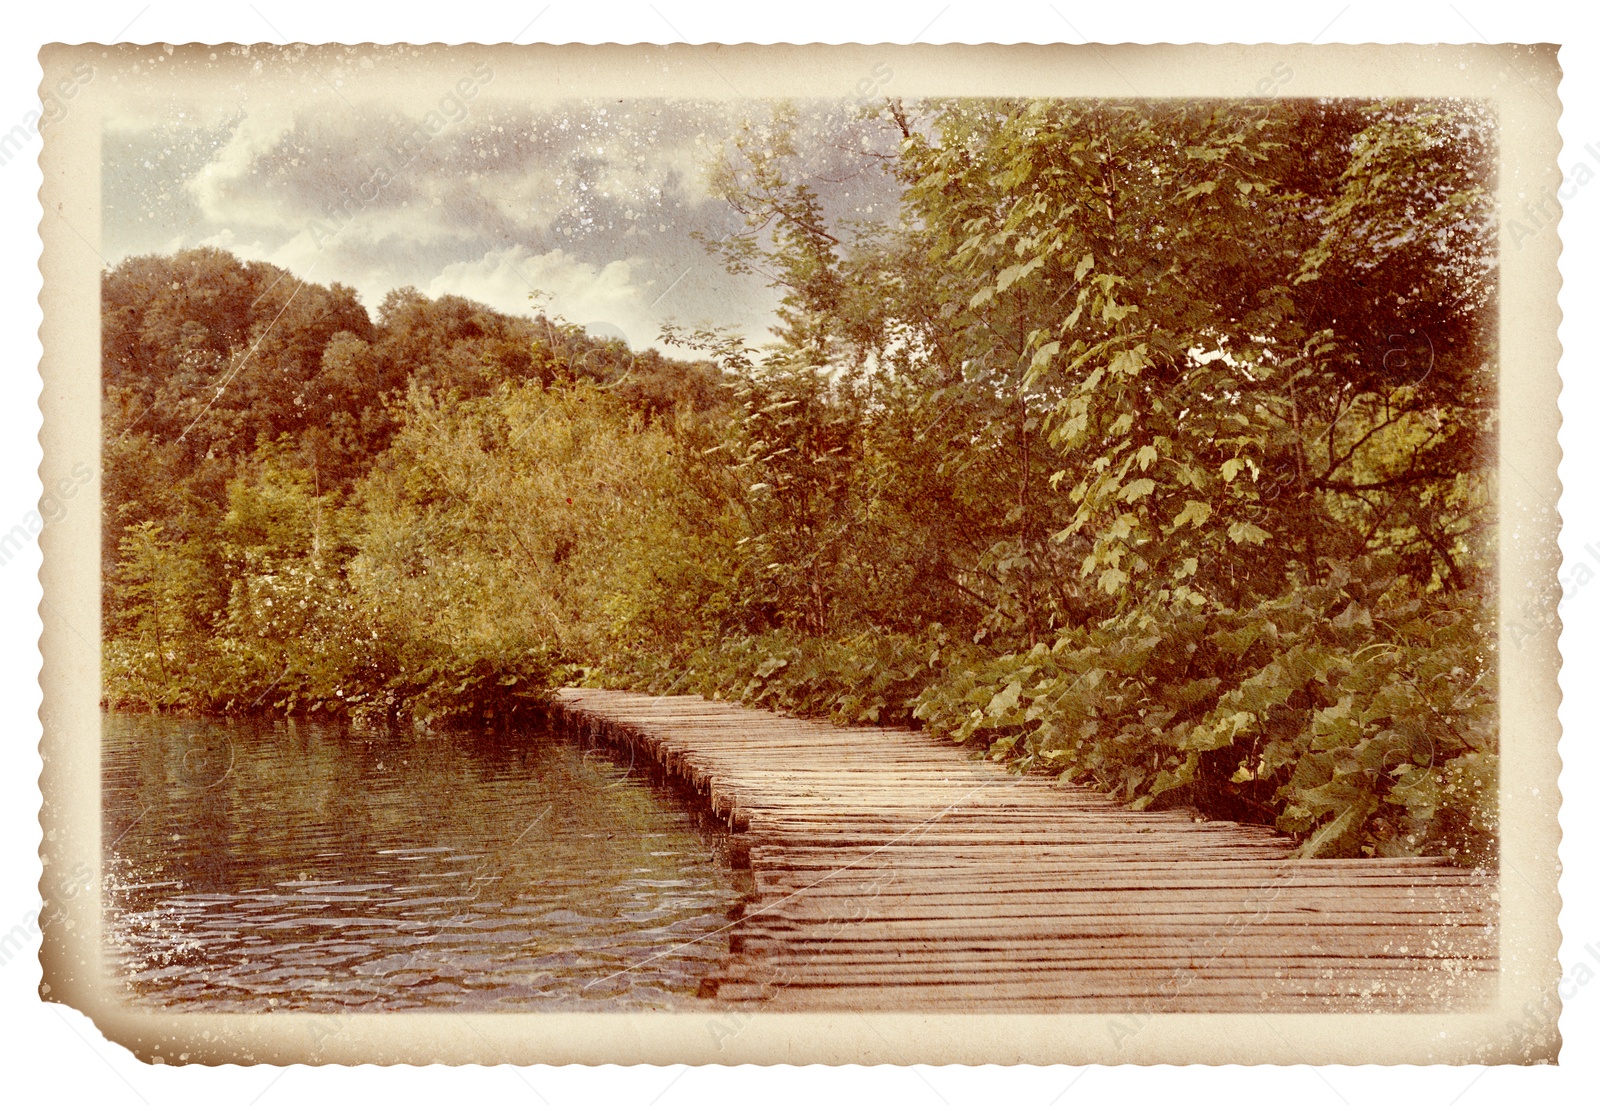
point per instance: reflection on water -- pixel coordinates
(266, 864)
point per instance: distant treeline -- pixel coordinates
(1148, 444)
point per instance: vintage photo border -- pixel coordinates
(1522, 81)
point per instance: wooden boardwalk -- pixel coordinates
(890, 871)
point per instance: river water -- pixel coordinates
(259, 865)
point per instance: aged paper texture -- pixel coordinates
(253, 97)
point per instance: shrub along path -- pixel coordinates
(892, 872)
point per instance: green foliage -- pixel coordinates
(404, 566)
(1349, 711)
(872, 678)
(158, 655)
(488, 535)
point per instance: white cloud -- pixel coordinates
(226, 240)
(690, 159)
(580, 292)
(227, 187)
(531, 195)
(270, 171)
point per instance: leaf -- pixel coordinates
(983, 295)
(1328, 836)
(1195, 512)
(1354, 614)
(1417, 790)
(770, 665)
(1004, 702)
(1231, 468)
(1138, 488)
(1013, 274)
(1085, 264)
(1147, 456)
(1045, 354)
(1128, 362)
(1167, 779)
(1113, 580)
(1243, 532)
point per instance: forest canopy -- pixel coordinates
(1149, 444)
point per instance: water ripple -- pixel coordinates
(389, 870)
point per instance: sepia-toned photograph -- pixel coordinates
(722, 537)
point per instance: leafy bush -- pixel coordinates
(872, 678)
(1363, 722)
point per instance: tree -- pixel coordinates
(1229, 365)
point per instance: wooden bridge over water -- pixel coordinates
(892, 872)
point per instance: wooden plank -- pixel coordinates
(889, 870)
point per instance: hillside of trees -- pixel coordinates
(1149, 444)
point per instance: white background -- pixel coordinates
(48, 1053)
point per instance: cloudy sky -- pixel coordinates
(593, 201)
